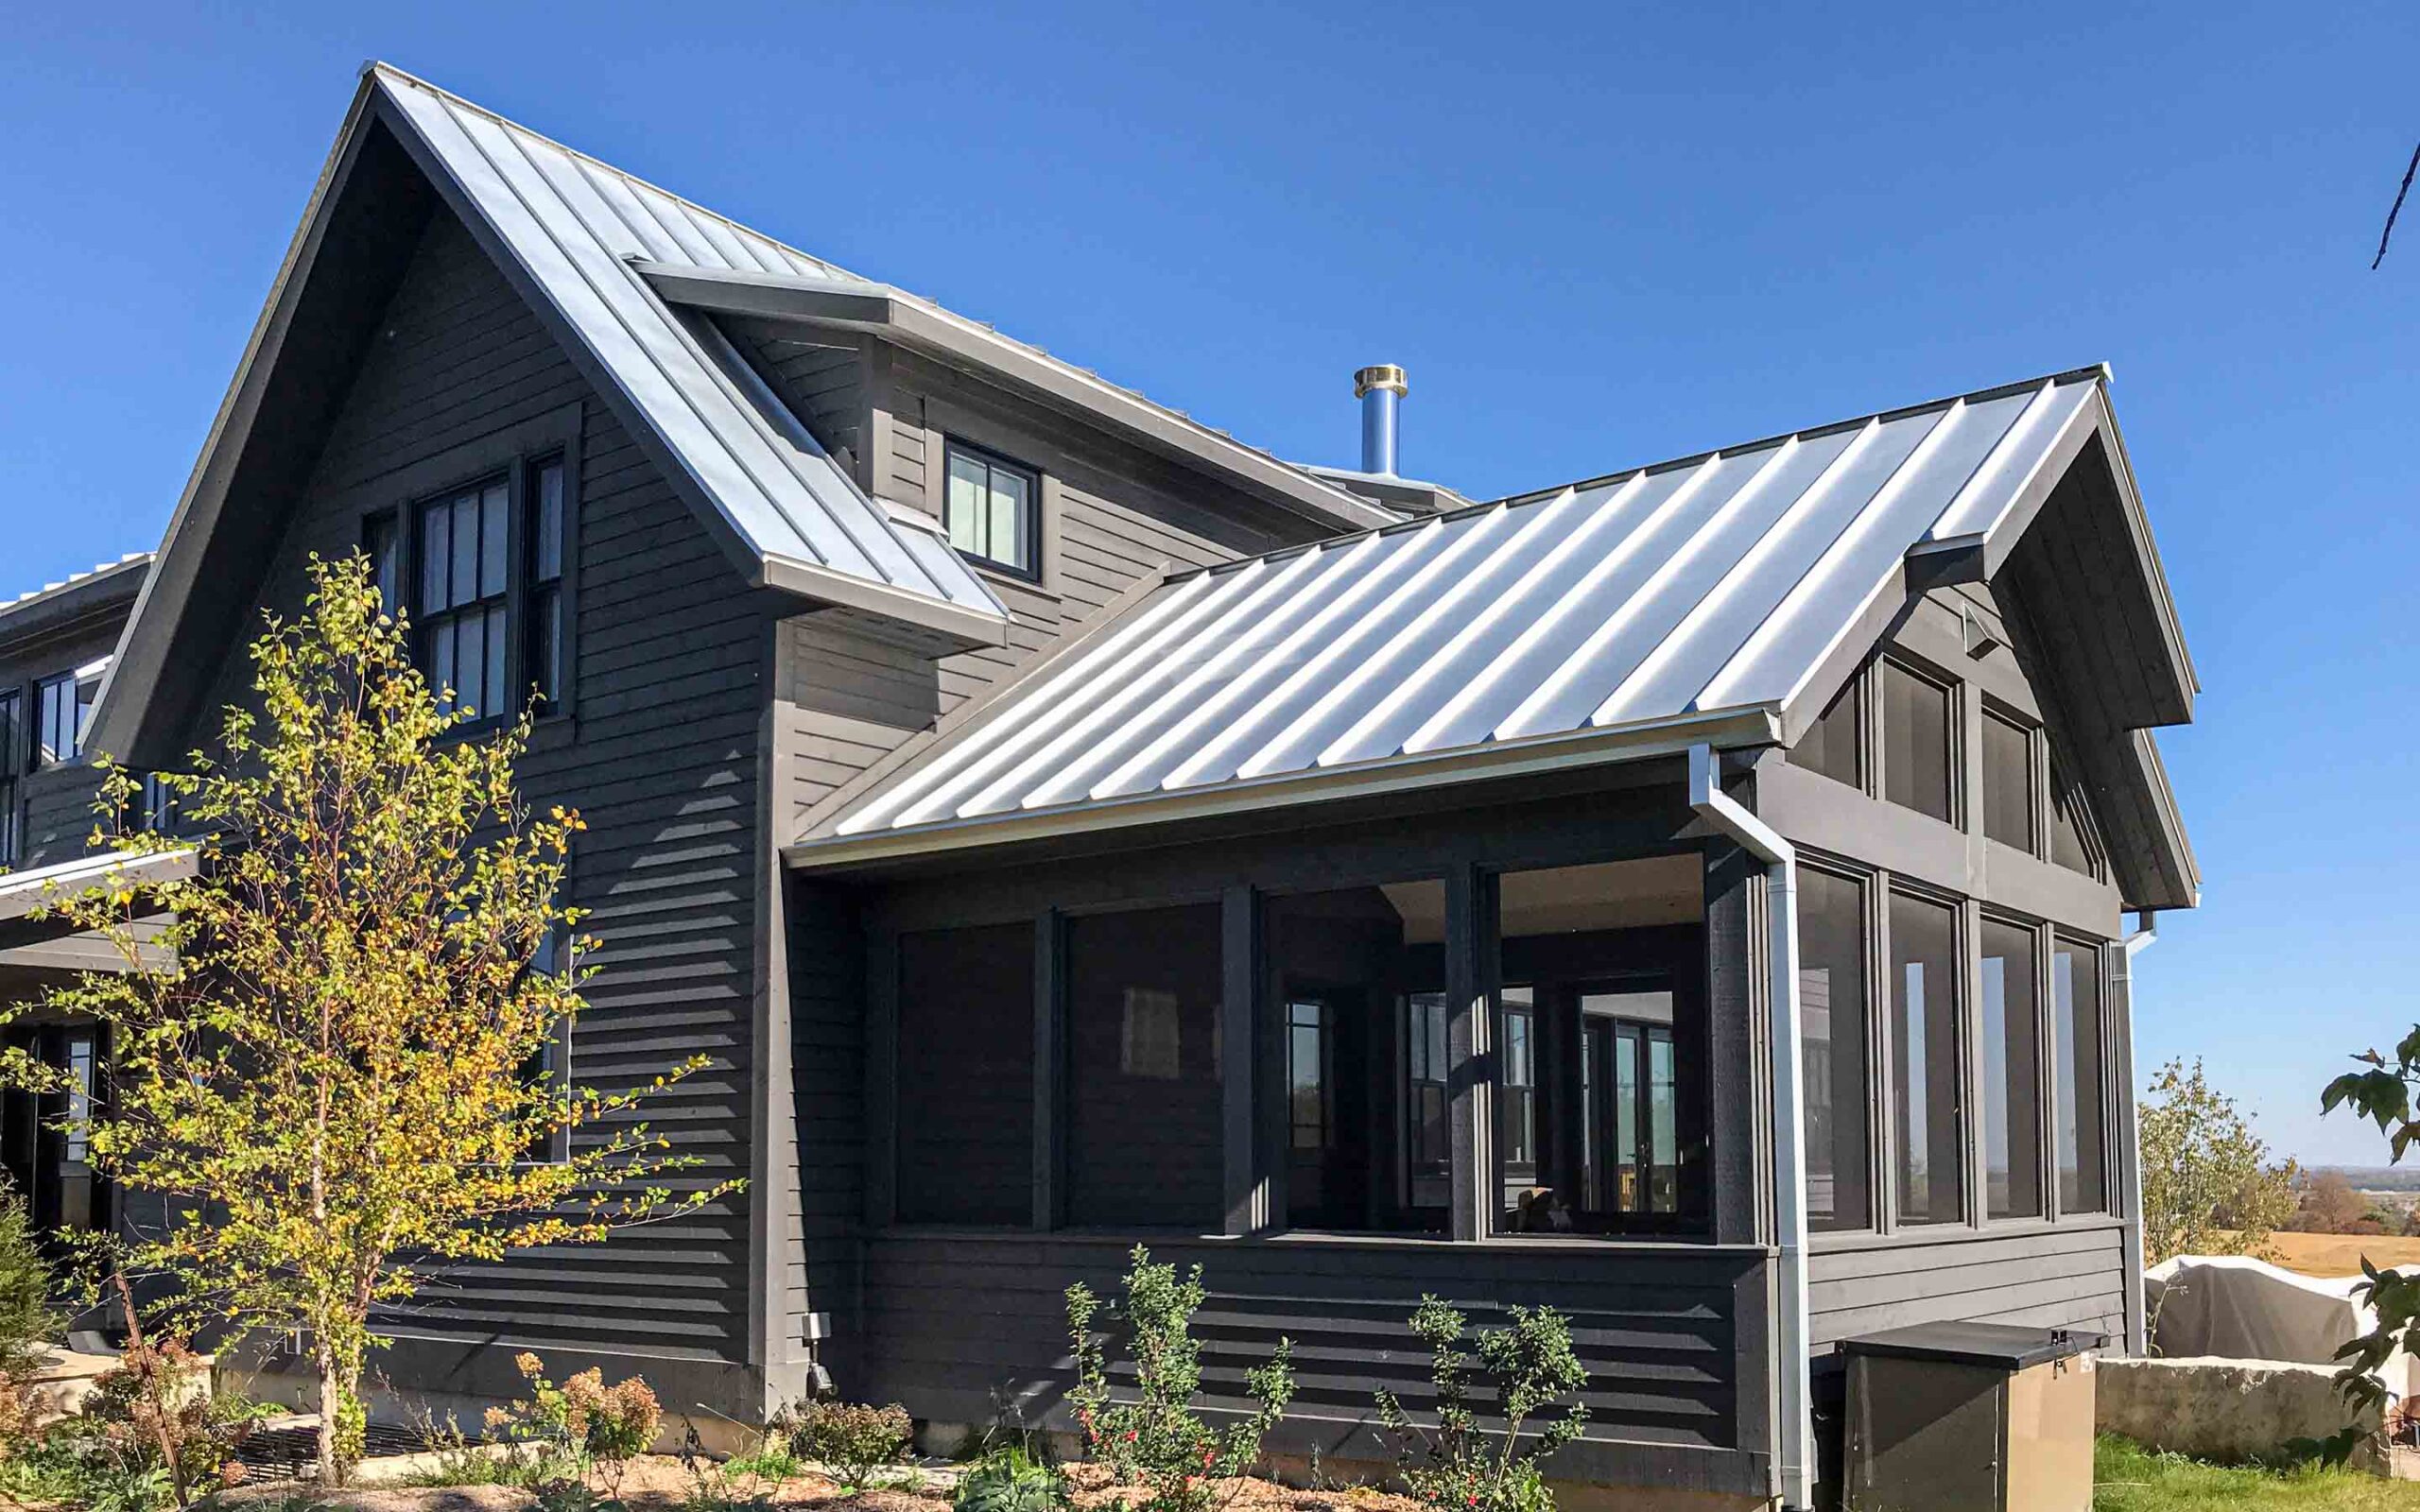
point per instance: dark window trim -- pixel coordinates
(2037, 775)
(1954, 692)
(1873, 887)
(951, 446)
(2038, 935)
(2104, 953)
(517, 451)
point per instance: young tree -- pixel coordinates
(335, 1084)
(2209, 1186)
(2330, 1205)
(2381, 1093)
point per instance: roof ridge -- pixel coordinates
(380, 66)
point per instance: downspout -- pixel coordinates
(2122, 974)
(1795, 1440)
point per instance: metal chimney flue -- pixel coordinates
(1380, 389)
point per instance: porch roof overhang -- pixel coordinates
(27, 897)
(1720, 599)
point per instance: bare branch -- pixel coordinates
(2397, 210)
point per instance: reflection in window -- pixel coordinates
(1916, 741)
(1359, 972)
(1145, 1140)
(990, 509)
(965, 1099)
(1832, 1015)
(2075, 1023)
(2008, 783)
(1516, 1092)
(463, 597)
(1629, 1065)
(1929, 1159)
(1830, 744)
(2012, 1074)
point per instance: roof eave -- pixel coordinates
(1725, 728)
(896, 315)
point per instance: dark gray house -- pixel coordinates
(1694, 896)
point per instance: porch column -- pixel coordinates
(1739, 1158)
(1470, 987)
(1049, 1056)
(1247, 1205)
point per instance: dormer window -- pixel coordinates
(63, 707)
(993, 510)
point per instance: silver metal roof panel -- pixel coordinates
(1713, 586)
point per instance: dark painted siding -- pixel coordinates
(2070, 1275)
(828, 1080)
(955, 1322)
(56, 805)
(662, 759)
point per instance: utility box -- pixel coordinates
(1970, 1418)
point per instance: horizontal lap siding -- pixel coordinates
(827, 1077)
(948, 1321)
(56, 805)
(2056, 1278)
(661, 758)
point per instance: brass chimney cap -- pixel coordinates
(1381, 375)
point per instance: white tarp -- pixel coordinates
(2235, 1308)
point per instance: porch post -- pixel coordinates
(1738, 1158)
(882, 1078)
(1470, 967)
(1049, 1055)
(1246, 1194)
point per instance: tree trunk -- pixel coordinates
(334, 1392)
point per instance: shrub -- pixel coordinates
(854, 1442)
(1158, 1440)
(26, 1323)
(1009, 1480)
(561, 1433)
(154, 1410)
(1461, 1465)
(2209, 1186)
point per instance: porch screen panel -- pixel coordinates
(1144, 1118)
(1929, 1159)
(1359, 975)
(1599, 1058)
(2012, 1073)
(1832, 1012)
(2076, 1026)
(1916, 741)
(965, 1106)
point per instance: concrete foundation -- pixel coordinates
(2227, 1410)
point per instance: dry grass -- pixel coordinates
(2331, 1255)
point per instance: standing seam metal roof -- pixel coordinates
(576, 224)
(1722, 582)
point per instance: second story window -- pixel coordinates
(63, 707)
(12, 748)
(1915, 742)
(993, 510)
(482, 570)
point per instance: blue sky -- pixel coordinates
(1596, 238)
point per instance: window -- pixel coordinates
(1429, 1144)
(992, 509)
(13, 755)
(1916, 741)
(464, 598)
(1832, 1038)
(486, 566)
(2075, 1027)
(1144, 1137)
(2012, 1073)
(546, 556)
(1831, 745)
(1516, 1102)
(1929, 1154)
(62, 708)
(2007, 782)
(1628, 1092)
(966, 1102)
(1306, 1076)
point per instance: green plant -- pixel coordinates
(738, 1486)
(27, 1325)
(1461, 1462)
(559, 1434)
(771, 1461)
(370, 957)
(2209, 1186)
(1009, 1480)
(1158, 1439)
(852, 1441)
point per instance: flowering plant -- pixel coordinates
(1460, 1465)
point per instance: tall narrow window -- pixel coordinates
(2075, 1024)
(465, 595)
(1832, 1027)
(1831, 745)
(1428, 1149)
(382, 541)
(1929, 1156)
(13, 756)
(992, 509)
(1916, 741)
(545, 652)
(2012, 1073)
(2007, 782)
(1517, 1090)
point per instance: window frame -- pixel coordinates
(2037, 793)
(952, 447)
(15, 736)
(1953, 689)
(2109, 1158)
(1874, 1007)
(397, 524)
(2037, 942)
(1965, 1017)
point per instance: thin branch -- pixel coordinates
(2397, 210)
